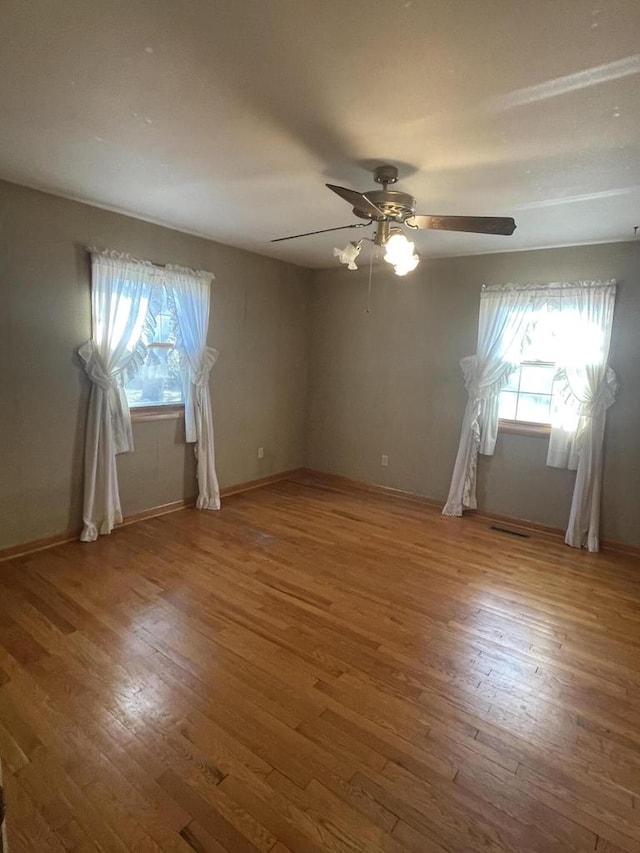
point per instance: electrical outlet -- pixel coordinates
(261, 453)
(384, 460)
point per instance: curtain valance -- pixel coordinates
(157, 274)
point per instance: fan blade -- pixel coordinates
(322, 231)
(478, 224)
(358, 201)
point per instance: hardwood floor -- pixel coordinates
(316, 670)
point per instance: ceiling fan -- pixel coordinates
(386, 206)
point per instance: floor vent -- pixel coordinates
(510, 530)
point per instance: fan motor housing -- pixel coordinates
(395, 205)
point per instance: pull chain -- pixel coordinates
(370, 275)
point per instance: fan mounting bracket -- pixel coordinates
(395, 206)
(385, 174)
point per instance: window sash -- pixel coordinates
(522, 408)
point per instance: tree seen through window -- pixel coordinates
(158, 381)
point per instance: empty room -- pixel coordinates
(320, 426)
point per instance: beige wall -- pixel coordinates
(389, 382)
(259, 324)
(384, 382)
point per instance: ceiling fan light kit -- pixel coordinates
(349, 254)
(387, 206)
(399, 252)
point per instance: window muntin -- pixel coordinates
(158, 381)
(528, 395)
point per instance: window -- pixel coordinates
(528, 396)
(158, 381)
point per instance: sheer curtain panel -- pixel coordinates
(191, 294)
(504, 315)
(120, 297)
(585, 387)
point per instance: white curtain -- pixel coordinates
(190, 292)
(504, 315)
(120, 297)
(584, 388)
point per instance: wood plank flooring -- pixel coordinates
(315, 670)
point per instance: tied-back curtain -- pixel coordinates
(123, 293)
(584, 388)
(504, 315)
(190, 292)
(120, 298)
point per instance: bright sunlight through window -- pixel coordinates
(158, 382)
(528, 395)
(553, 337)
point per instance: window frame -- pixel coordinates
(160, 412)
(530, 428)
(515, 426)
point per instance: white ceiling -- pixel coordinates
(226, 118)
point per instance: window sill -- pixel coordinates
(524, 428)
(156, 413)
